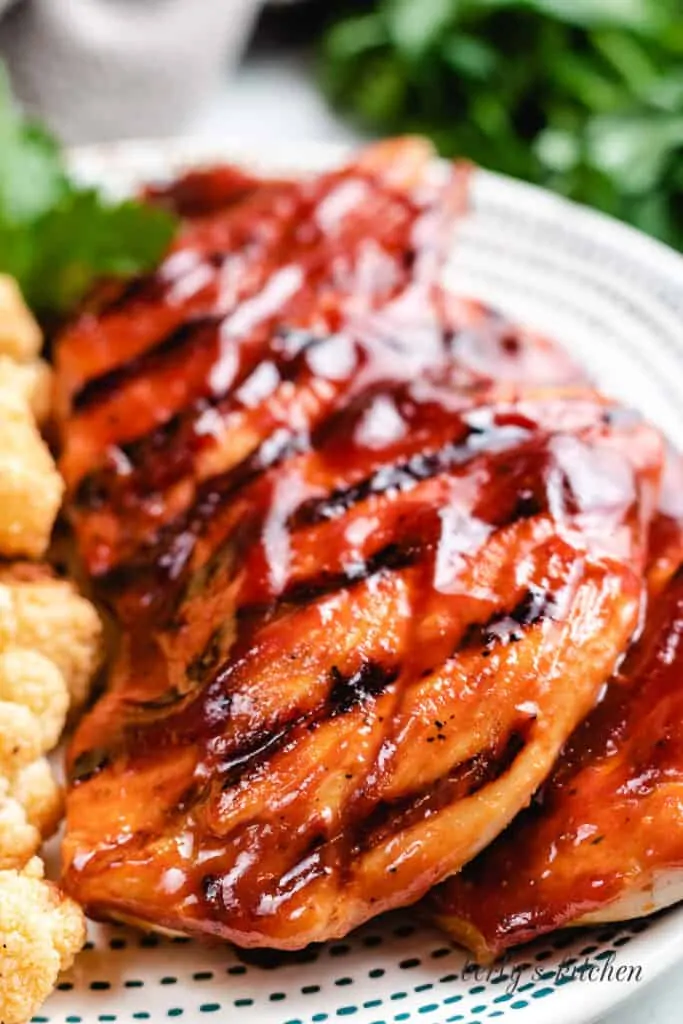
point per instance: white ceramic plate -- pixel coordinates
(616, 299)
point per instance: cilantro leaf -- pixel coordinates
(57, 238)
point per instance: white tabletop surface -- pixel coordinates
(273, 98)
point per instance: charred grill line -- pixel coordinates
(97, 487)
(388, 818)
(162, 441)
(99, 389)
(149, 287)
(536, 605)
(392, 556)
(207, 660)
(88, 764)
(93, 491)
(399, 554)
(461, 781)
(295, 341)
(346, 693)
(373, 678)
(152, 287)
(397, 477)
(349, 691)
(169, 699)
(166, 555)
(252, 756)
(527, 506)
(368, 682)
(503, 627)
(175, 539)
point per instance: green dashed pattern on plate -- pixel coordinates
(390, 972)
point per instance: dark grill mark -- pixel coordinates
(249, 757)
(345, 694)
(388, 818)
(166, 452)
(196, 793)
(295, 341)
(92, 492)
(159, 438)
(166, 556)
(399, 477)
(138, 289)
(270, 453)
(391, 557)
(506, 627)
(350, 691)
(472, 441)
(88, 764)
(536, 605)
(211, 887)
(526, 506)
(207, 661)
(286, 352)
(169, 699)
(189, 333)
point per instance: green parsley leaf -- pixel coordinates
(57, 238)
(582, 96)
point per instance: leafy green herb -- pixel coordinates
(56, 237)
(584, 96)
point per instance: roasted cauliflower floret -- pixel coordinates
(34, 700)
(41, 931)
(41, 796)
(50, 616)
(19, 839)
(30, 487)
(8, 618)
(33, 381)
(50, 642)
(30, 810)
(31, 679)
(20, 741)
(20, 335)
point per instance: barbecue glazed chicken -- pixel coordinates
(374, 553)
(603, 840)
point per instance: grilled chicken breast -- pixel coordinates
(368, 583)
(603, 840)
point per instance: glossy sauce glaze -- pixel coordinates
(273, 312)
(606, 828)
(374, 550)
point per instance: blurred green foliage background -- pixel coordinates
(583, 96)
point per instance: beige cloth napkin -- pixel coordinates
(106, 69)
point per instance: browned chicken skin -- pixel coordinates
(369, 585)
